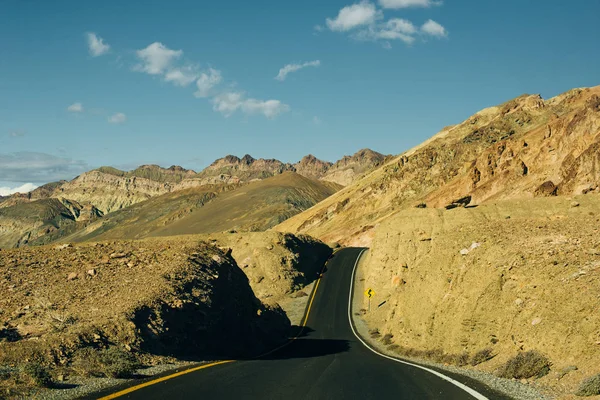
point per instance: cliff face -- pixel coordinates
(523, 148)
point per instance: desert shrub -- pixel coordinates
(482, 356)
(393, 347)
(118, 363)
(86, 362)
(589, 387)
(461, 359)
(436, 355)
(112, 362)
(526, 365)
(38, 374)
(387, 339)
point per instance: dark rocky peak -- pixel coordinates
(248, 159)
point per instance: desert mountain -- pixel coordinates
(312, 167)
(110, 189)
(232, 169)
(525, 147)
(350, 168)
(177, 191)
(25, 222)
(255, 206)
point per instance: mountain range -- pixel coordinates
(111, 196)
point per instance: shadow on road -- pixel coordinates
(309, 348)
(303, 346)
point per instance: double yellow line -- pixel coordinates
(194, 369)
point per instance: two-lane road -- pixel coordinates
(327, 361)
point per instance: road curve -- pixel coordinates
(327, 361)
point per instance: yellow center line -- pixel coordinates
(188, 371)
(164, 378)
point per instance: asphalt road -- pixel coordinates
(326, 362)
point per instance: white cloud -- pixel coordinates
(399, 25)
(182, 76)
(434, 29)
(399, 29)
(318, 28)
(75, 108)
(229, 102)
(96, 45)
(408, 3)
(156, 58)
(350, 17)
(25, 188)
(283, 72)
(393, 29)
(117, 118)
(316, 120)
(269, 108)
(38, 167)
(206, 81)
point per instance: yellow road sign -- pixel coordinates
(369, 293)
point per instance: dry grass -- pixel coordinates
(590, 386)
(482, 356)
(526, 365)
(112, 362)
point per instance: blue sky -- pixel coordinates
(84, 84)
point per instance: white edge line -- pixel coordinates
(464, 387)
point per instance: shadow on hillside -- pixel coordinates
(9, 334)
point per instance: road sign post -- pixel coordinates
(369, 293)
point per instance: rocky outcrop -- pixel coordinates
(311, 167)
(232, 169)
(350, 168)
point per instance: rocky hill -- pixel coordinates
(104, 309)
(504, 278)
(150, 197)
(526, 147)
(26, 222)
(232, 169)
(256, 206)
(350, 168)
(310, 166)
